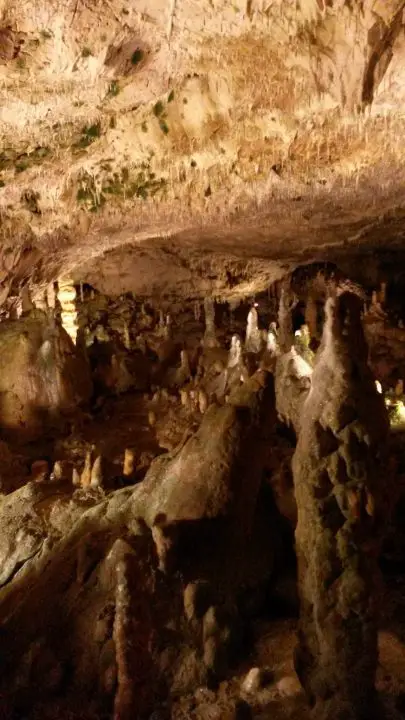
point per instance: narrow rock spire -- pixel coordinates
(341, 488)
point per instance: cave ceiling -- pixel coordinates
(186, 147)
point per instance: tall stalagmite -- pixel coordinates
(341, 487)
(285, 331)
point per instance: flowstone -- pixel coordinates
(342, 508)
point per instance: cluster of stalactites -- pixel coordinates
(67, 296)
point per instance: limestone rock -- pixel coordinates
(42, 375)
(199, 481)
(338, 464)
(292, 384)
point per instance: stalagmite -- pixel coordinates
(272, 342)
(342, 493)
(235, 352)
(210, 338)
(26, 302)
(132, 634)
(75, 477)
(86, 474)
(127, 337)
(253, 341)
(302, 341)
(96, 477)
(382, 295)
(185, 398)
(129, 462)
(311, 316)
(51, 296)
(202, 401)
(151, 418)
(399, 388)
(168, 327)
(161, 326)
(39, 470)
(197, 311)
(193, 400)
(67, 296)
(40, 302)
(285, 332)
(57, 471)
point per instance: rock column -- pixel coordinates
(67, 296)
(210, 336)
(286, 332)
(340, 479)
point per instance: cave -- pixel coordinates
(202, 348)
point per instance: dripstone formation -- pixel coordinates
(338, 467)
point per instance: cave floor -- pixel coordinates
(283, 698)
(122, 422)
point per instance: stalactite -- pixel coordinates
(338, 468)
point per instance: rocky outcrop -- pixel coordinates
(90, 577)
(42, 375)
(342, 492)
(34, 519)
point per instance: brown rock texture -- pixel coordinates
(42, 374)
(341, 485)
(193, 148)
